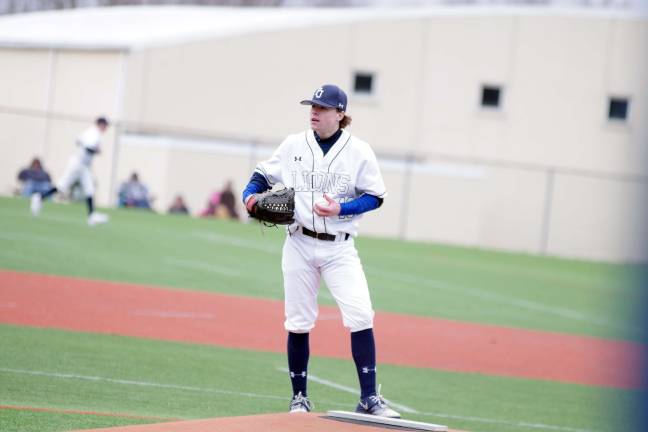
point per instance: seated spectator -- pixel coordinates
(178, 206)
(34, 179)
(228, 201)
(134, 194)
(212, 205)
(221, 205)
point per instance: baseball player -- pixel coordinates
(78, 169)
(336, 178)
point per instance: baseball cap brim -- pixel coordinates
(318, 103)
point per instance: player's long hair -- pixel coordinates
(346, 121)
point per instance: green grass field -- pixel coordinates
(113, 374)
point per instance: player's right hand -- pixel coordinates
(329, 207)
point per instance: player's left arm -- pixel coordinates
(257, 184)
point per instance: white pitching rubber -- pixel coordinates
(368, 418)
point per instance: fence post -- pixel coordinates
(546, 216)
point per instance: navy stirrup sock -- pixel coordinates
(363, 348)
(49, 193)
(298, 353)
(90, 205)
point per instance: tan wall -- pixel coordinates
(247, 86)
(23, 90)
(22, 138)
(386, 221)
(488, 206)
(557, 74)
(463, 53)
(585, 211)
(392, 52)
(24, 79)
(86, 83)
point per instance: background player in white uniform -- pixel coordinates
(78, 169)
(336, 178)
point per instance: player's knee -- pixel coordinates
(299, 325)
(359, 322)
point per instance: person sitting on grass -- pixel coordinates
(178, 206)
(34, 179)
(134, 194)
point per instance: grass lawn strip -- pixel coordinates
(89, 372)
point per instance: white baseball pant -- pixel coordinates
(76, 171)
(305, 261)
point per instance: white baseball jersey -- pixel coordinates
(90, 140)
(348, 170)
(78, 167)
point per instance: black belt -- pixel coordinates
(322, 236)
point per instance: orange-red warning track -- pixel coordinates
(250, 323)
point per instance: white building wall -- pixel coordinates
(509, 178)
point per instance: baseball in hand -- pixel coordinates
(321, 202)
(326, 206)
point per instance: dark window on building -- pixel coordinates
(618, 109)
(491, 96)
(363, 83)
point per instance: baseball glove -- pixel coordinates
(276, 206)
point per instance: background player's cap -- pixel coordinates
(102, 120)
(328, 96)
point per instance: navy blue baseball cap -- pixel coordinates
(328, 96)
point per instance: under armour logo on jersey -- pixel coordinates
(297, 158)
(302, 374)
(368, 369)
(319, 92)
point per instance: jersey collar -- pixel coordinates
(334, 150)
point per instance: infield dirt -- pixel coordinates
(311, 422)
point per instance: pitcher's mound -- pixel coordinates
(283, 422)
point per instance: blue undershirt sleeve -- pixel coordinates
(362, 204)
(257, 184)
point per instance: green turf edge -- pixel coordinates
(37, 421)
